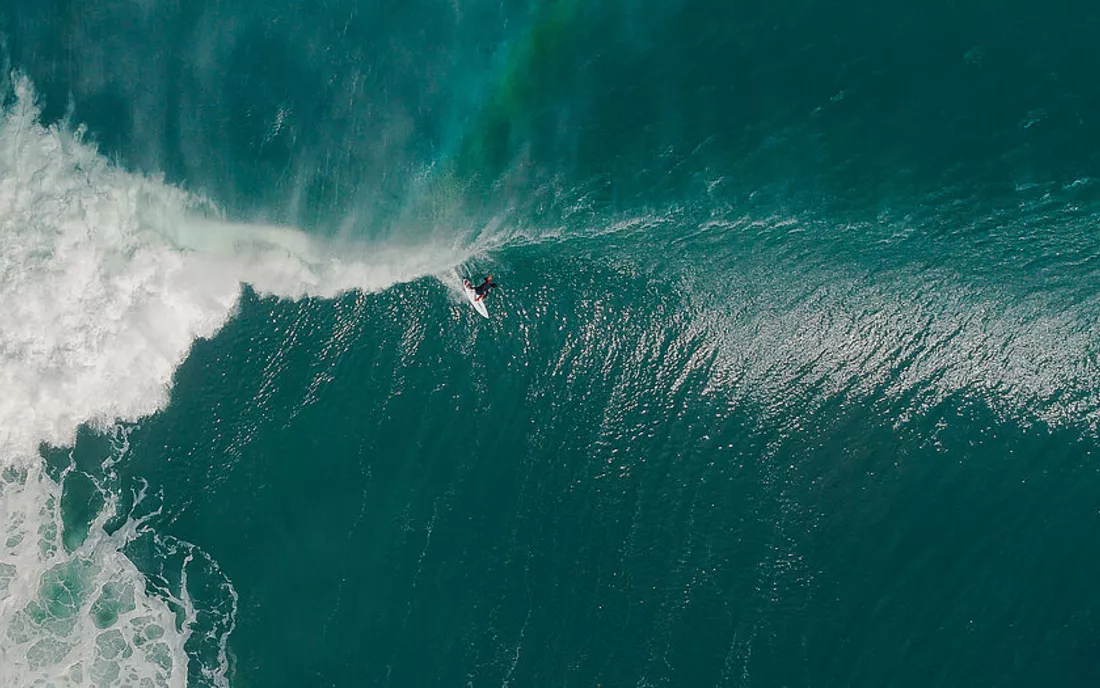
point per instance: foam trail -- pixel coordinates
(106, 278)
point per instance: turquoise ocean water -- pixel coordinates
(793, 378)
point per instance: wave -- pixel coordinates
(788, 312)
(106, 280)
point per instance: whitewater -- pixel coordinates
(106, 279)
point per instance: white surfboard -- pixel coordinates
(479, 305)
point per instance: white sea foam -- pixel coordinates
(106, 279)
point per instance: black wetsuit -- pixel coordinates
(483, 288)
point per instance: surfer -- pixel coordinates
(482, 290)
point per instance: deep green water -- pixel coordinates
(793, 378)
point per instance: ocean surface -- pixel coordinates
(793, 377)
